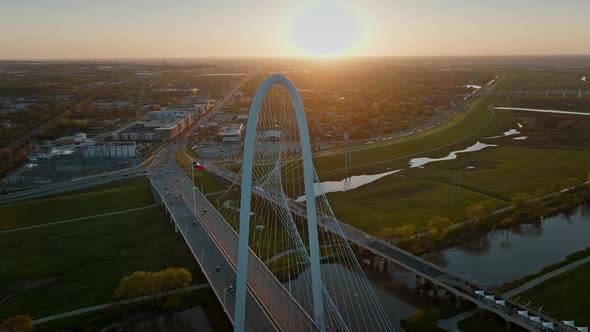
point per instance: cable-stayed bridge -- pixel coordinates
(291, 263)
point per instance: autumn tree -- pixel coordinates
(439, 226)
(153, 284)
(480, 212)
(387, 233)
(18, 323)
(405, 231)
(521, 203)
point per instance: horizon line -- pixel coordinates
(343, 57)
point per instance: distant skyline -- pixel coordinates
(68, 29)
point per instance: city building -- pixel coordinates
(163, 125)
(109, 150)
(231, 133)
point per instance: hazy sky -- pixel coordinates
(267, 28)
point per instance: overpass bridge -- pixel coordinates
(438, 276)
(547, 93)
(214, 244)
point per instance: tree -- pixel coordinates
(18, 323)
(387, 233)
(405, 231)
(136, 285)
(153, 284)
(439, 226)
(480, 212)
(521, 203)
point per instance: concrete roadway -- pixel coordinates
(75, 184)
(278, 303)
(208, 255)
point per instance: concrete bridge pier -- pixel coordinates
(375, 261)
(508, 326)
(419, 282)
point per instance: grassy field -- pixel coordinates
(478, 119)
(556, 148)
(398, 200)
(125, 194)
(569, 259)
(97, 320)
(425, 320)
(488, 323)
(68, 266)
(505, 171)
(565, 296)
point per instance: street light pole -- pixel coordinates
(194, 200)
(194, 194)
(224, 298)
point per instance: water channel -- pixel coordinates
(504, 255)
(192, 319)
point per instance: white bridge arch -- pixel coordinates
(276, 164)
(246, 194)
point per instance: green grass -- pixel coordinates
(396, 200)
(425, 320)
(95, 321)
(488, 323)
(82, 262)
(566, 296)
(505, 171)
(476, 120)
(111, 197)
(85, 260)
(569, 259)
(207, 181)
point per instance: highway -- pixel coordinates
(207, 253)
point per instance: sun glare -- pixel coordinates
(326, 29)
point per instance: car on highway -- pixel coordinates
(231, 288)
(217, 269)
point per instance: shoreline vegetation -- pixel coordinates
(524, 209)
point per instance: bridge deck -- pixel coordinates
(208, 255)
(437, 275)
(264, 289)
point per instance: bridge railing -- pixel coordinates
(277, 301)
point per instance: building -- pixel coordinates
(102, 105)
(163, 115)
(109, 150)
(180, 91)
(231, 133)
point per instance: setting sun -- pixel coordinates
(326, 29)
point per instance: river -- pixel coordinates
(395, 308)
(356, 181)
(504, 255)
(192, 319)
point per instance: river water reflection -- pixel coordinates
(395, 308)
(504, 255)
(193, 319)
